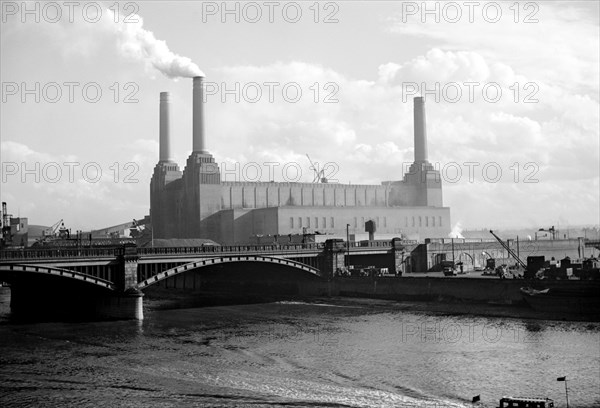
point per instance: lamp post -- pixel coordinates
(347, 245)
(566, 389)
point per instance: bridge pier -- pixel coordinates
(128, 305)
(128, 302)
(398, 254)
(334, 257)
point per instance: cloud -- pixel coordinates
(547, 52)
(83, 38)
(83, 193)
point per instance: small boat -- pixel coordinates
(534, 292)
(518, 402)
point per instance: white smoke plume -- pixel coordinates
(456, 231)
(136, 42)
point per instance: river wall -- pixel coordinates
(478, 290)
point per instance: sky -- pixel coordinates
(511, 88)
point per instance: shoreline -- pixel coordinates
(439, 306)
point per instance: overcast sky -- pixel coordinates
(358, 66)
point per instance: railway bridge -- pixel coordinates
(109, 282)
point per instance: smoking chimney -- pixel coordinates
(164, 154)
(198, 116)
(420, 130)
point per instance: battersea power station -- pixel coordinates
(195, 203)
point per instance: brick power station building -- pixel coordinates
(195, 203)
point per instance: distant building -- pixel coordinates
(195, 203)
(19, 232)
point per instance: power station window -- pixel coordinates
(299, 222)
(324, 222)
(355, 222)
(413, 219)
(440, 220)
(307, 222)
(433, 221)
(332, 225)
(291, 222)
(427, 221)
(420, 223)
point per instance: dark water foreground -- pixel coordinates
(349, 353)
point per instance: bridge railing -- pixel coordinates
(46, 253)
(313, 246)
(114, 251)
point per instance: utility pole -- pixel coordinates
(347, 245)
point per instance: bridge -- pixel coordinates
(109, 282)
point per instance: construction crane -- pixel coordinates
(319, 175)
(510, 251)
(136, 228)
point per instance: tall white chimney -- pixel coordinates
(420, 130)
(164, 154)
(198, 144)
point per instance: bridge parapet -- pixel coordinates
(59, 253)
(117, 251)
(237, 249)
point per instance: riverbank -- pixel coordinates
(440, 296)
(450, 308)
(441, 306)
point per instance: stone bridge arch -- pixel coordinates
(9, 273)
(222, 260)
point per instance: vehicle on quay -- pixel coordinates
(448, 268)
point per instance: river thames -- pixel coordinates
(296, 354)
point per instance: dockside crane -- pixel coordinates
(56, 232)
(510, 251)
(51, 231)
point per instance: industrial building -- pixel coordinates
(195, 203)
